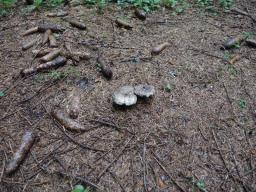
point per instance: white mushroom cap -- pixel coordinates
(125, 96)
(144, 90)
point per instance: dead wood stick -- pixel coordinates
(163, 168)
(220, 153)
(82, 179)
(206, 53)
(74, 105)
(28, 45)
(76, 23)
(57, 14)
(2, 172)
(107, 152)
(23, 183)
(30, 31)
(52, 27)
(64, 119)
(112, 162)
(26, 143)
(42, 52)
(50, 56)
(103, 122)
(225, 164)
(239, 11)
(52, 40)
(76, 55)
(123, 23)
(41, 90)
(144, 166)
(114, 176)
(234, 59)
(83, 146)
(59, 61)
(47, 33)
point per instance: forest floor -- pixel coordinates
(197, 135)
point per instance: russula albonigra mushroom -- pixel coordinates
(124, 96)
(144, 90)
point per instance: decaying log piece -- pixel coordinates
(47, 33)
(53, 27)
(52, 40)
(105, 70)
(74, 104)
(28, 71)
(124, 24)
(66, 121)
(42, 52)
(57, 62)
(50, 56)
(159, 48)
(77, 56)
(76, 23)
(57, 14)
(30, 31)
(27, 142)
(28, 45)
(234, 59)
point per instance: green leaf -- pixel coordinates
(79, 188)
(1, 94)
(242, 104)
(247, 35)
(37, 3)
(168, 88)
(200, 184)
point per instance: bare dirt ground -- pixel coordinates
(202, 130)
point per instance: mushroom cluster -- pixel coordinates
(127, 95)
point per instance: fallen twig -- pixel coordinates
(225, 164)
(64, 119)
(239, 11)
(112, 162)
(82, 179)
(113, 175)
(59, 61)
(163, 168)
(26, 143)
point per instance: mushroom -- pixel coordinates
(144, 90)
(124, 96)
